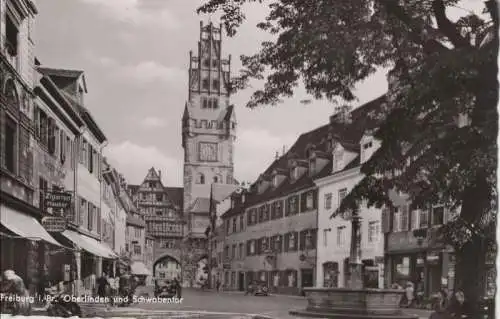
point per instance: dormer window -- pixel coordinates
(275, 181)
(312, 166)
(338, 159)
(295, 173)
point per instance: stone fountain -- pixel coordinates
(355, 302)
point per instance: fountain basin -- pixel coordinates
(348, 303)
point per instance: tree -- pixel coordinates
(445, 72)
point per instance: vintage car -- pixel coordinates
(165, 288)
(260, 289)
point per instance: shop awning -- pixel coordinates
(89, 244)
(138, 268)
(24, 225)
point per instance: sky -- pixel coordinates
(135, 56)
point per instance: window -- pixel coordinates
(292, 242)
(206, 63)
(215, 63)
(341, 236)
(325, 237)
(242, 222)
(338, 160)
(328, 201)
(234, 225)
(396, 227)
(62, 147)
(309, 200)
(51, 136)
(367, 145)
(228, 229)
(159, 197)
(90, 216)
(233, 251)
(373, 231)
(252, 247)
(241, 256)
(10, 145)
(205, 84)
(437, 216)
(11, 35)
(84, 154)
(342, 194)
(404, 218)
(217, 179)
(159, 213)
(216, 84)
(293, 205)
(137, 249)
(214, 103)
(423, 219)
(42, 188)
(204, 103)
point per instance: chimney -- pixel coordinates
(284, 150)
(277, 155)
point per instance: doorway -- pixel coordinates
(307, 278)
(241, 281)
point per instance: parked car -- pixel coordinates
(261, 289)
(165, 288)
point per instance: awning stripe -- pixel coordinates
(25, 225)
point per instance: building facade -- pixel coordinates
(208, 134)
(334, 240)
(162, 210)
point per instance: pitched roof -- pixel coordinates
(200, 205)
(347, 134)
(59, 74)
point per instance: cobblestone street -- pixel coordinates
(226, 305)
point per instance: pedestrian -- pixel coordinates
(459, 307)
(102, 284)
(217, 284)
(13, 285)
(438, 311)
(178, 288)
(410, 294)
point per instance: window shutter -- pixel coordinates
(386, 220)
(302, 240)
(315, 198)
(286, 242)
(62, 141)
(303, 202)
(52, 137)
(314, 239)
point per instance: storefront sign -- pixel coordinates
(57, 200)
(54, 224)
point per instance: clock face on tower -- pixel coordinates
(207, 152)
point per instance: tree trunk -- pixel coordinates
(471, 258)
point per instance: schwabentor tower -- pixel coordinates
(208, 132)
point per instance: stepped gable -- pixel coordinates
(348, 135)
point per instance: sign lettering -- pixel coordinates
(57, 200)
(54, 224)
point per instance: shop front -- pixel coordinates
(21, 232)
(429, 271)
(90, 258)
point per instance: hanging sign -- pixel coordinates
(57, 199)
(54, 224)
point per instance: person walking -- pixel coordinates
(178, 288)
(459, 308)
(217, 284)
(410, 294)
(438, 311)
(102, 285)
